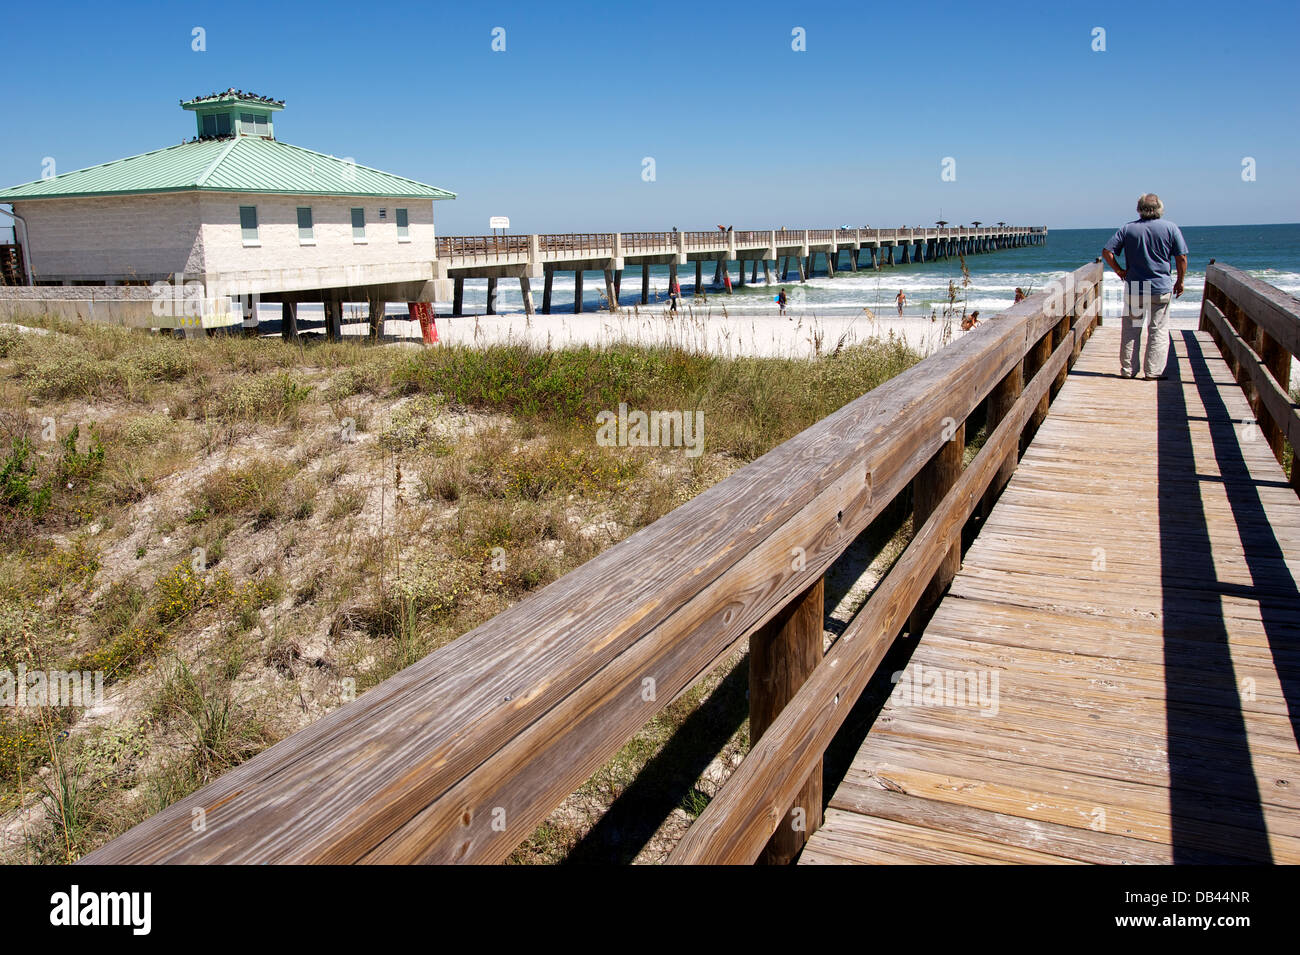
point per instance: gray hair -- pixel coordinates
(1150, 206)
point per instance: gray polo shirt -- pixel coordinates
(1149, 247)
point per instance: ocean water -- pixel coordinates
(1270, 252)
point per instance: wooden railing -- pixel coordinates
(482, 246)
(12, 271)
(459, 757)
(752, 238)
(1257, 328)
(648, 241)
(576, 242)
(695, 240)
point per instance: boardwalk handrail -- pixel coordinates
(460, 756)
(1257, 329)
(740, 820)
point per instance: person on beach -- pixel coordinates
(970, 321)
(1020, 295)
(1152, 247)
(674, 293)
(781, 301)
(901, 299)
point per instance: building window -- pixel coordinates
(248, 225)
(383, 213)
(306, 234)
(254, 124)
(216, 124)
(403, 226)
(358, 225)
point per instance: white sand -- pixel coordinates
(713, 330)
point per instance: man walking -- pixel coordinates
(1151, 246)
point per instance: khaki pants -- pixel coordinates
(1141, 307)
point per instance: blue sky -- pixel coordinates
(743, 129)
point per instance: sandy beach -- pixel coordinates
(714, 330)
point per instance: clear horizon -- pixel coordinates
(556, 129)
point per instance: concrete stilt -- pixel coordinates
(526, 290)
(753, 276)
(618, 285)
(767, 273)
(491, 296)
(458, 296)
(907, 254)
(333, 318)
(645, 284)
(376, 306)
(577, 292)
(289, 321)
(547, 281)
(785, 268)
(831, 258)
(611, 293)
(812, 262)
(717, 273)
(699, 275)
(803, 272)
(740, 279)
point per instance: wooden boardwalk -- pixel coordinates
(1134, 594)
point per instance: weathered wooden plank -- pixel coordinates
(1084, 845)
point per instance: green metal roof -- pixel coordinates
(240, 164)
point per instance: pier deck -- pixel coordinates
(1134, 593)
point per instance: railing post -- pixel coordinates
(1035, 359)
(1278, 361)
(929, 487)
(1002, 399)
(782, 654)
(1249, 332)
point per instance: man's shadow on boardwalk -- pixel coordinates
(1215, 801)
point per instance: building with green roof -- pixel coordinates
(237, 211)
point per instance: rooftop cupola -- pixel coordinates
(234, 113)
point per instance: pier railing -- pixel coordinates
(576, 242)
(1257, 328)
(498, 248)
(482, 246)
(695, 240)
(459, 757)
(648, 241)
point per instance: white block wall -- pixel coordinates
(154, 236)
(119, 237)
(280, 247)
